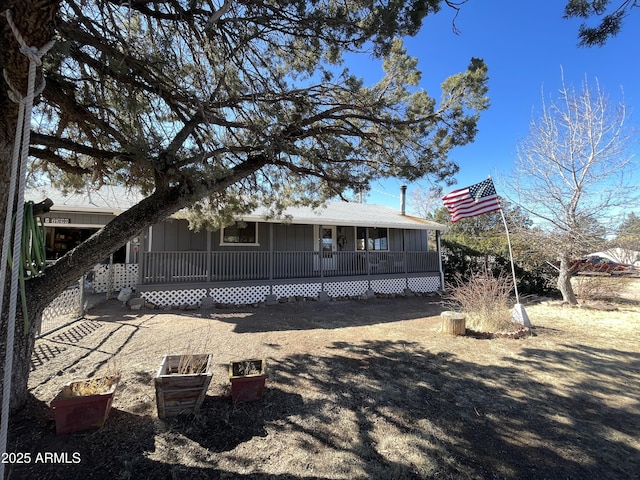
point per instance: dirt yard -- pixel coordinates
(364, 389)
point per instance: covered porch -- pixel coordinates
(233, 266)
(344, 249)
(179, 278)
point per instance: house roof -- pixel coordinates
(619, 255)
(349, 214)
(116, 199)
(107, 199)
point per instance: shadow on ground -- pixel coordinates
(326, 315)
(389, 409)
(301, 315)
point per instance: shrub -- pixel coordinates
(596, 287)
(457, 258)
(484, 299)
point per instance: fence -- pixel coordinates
(70, 305)
(66, 308)
(107, 278)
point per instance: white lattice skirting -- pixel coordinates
(65, 308)
(114, 277)
(346, 289)
(244, 295)
(169, 298)
(424, 284)
(240, 295)
(389, 285)
(297, 290)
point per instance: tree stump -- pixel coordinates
(453, 323)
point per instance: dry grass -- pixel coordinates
(484, 299)
(357, 390)
(191, 364)
(91, 386)
(246, 368)
(597, 287)
(96, 385)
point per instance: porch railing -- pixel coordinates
(183, 267)
(175, 267)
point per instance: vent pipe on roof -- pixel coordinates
(403, 199)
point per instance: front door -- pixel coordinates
(328, 240)
(327, 245)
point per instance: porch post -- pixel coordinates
(404, 258)
(440, 260)
(142, 252)
(367, 259)
(270, 258)
(208, 258)
(320, 255)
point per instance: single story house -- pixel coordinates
(341, 249)
(74, 217)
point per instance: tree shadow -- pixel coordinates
(89, 454)
(49, 347)
(379, 410)
(221, 426)
(326, 315)
(603, 379)
(493, 420)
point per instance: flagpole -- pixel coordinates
(479, 199)
(513, 268)
(518, 314)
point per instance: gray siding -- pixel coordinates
(292, 238)
(174, 235)
(415, 241)
(395, 240)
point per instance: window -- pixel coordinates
(378, 239)
(372, 238)
(240, 233)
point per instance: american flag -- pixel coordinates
(472, 201)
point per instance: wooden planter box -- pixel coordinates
(178, 393)
(75, 413)
(247, 380)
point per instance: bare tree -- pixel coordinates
(424, 202)
(571, 173)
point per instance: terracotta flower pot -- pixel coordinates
(181, 383)
(248, 379)
(84, 404)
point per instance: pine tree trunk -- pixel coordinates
(22, 351)
(35, 20)
(23, 345)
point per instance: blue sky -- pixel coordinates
(527, 46)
